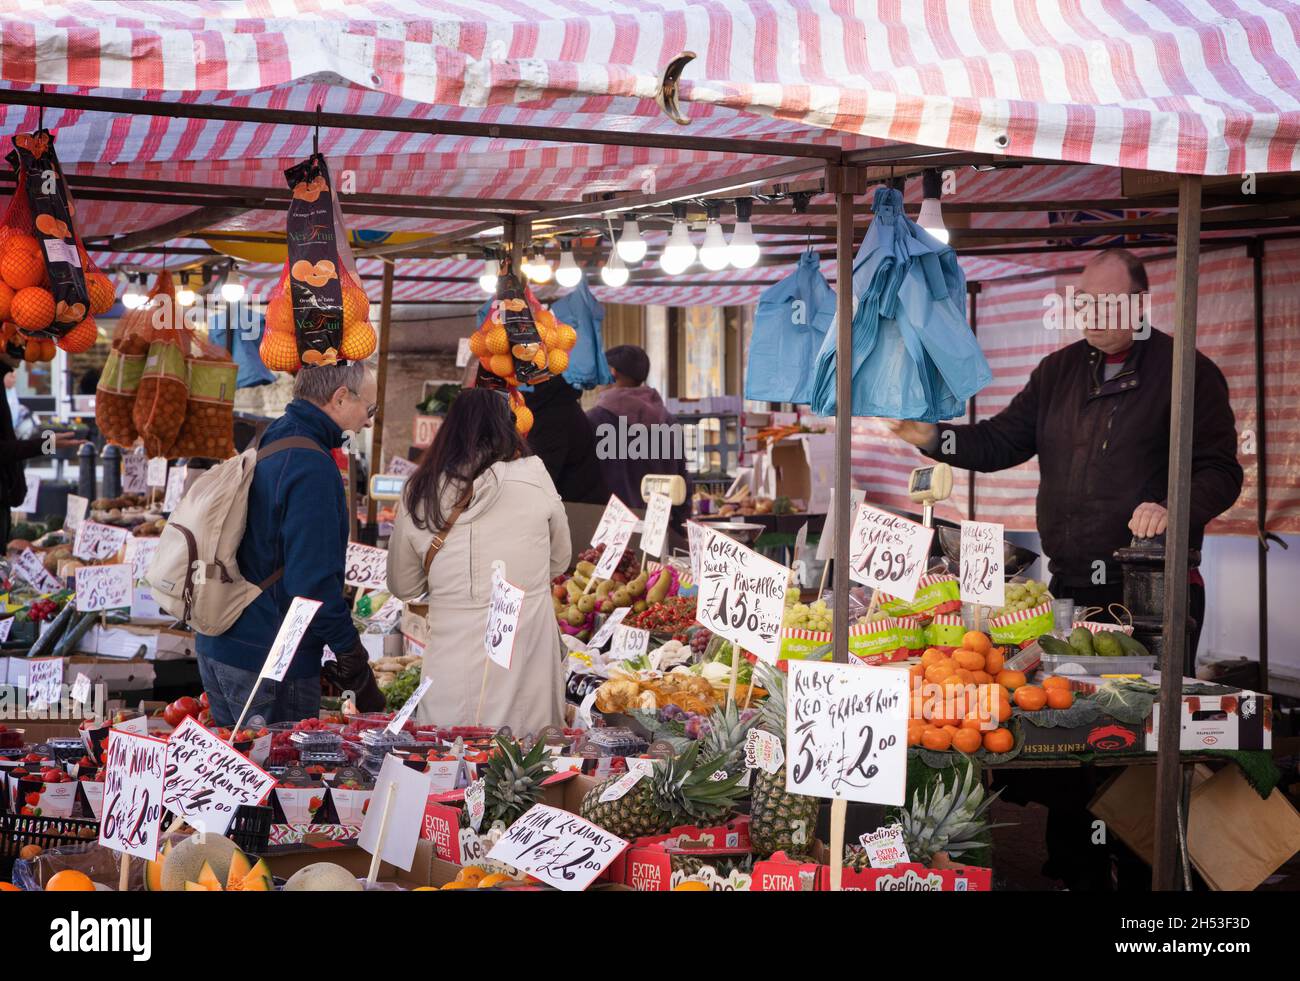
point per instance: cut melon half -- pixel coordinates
(153, 870)
(256, 879)
(207, 879)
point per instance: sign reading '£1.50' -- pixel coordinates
(846, 732)
(887, 552)
(742, 594)
(365, 566)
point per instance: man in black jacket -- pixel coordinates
(563, 437)
(1096, 413)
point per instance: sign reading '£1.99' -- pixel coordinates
(741, 594)
(888, 552)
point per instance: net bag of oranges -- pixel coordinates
(49, 288)
(317, 313)
(120, 380)
(209, 427)
(519, 343)
(163, 394)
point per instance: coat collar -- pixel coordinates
(315, 422)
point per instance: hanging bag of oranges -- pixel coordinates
(209, 427)
(317, 313)
(49, 288)
(162, 397)
(120, 380)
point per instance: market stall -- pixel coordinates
(774, 150)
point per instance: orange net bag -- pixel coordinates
(163, 394)
(209, 427)
(119, 382)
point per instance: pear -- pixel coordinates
(621, 598)
(637, 586)
(586, 603)
(575, 616)
(572, 590)
(586, 568)
(640, 606)
(606, 606)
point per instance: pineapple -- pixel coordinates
(680, 790)
(513, 781)
(946, 819)
(779, 820)
(725, 739)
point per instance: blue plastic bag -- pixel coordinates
(789, 326)
(252, 372)
(580, 310)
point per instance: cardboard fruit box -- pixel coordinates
(647, 866)
(781, 874)
(1106, 735)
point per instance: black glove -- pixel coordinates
(351, 672)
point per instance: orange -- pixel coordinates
(967, 677)
(970, 660)
(931, 656)
(69, 880)
(80, 338)
(972, 721)
(993, 661)
(279, 314)
(974, 640)
(915, 727)
(29, 852)
(32, 308)
(567, 336)
(6, 298)
(477, 344)
(20, 268)
(496, 878)
(523, 419)
(279, 351)
(691, 886)
(457, 884)
(967, 740)
(999, 741)
(102, 295)
(982, 677)
(1031, 698)
(558, 361)
(915, 674)
(1059, 698)
(498, 343)
(1056, 681)
(9, 887)
(936, 672)
(471, 873)
(23, 242)
(501, 365)
(356, 305)
(936, 739)
(1010, 679)
(358, 340)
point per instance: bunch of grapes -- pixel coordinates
(700, 637)
(1024, 596)
(805, 616)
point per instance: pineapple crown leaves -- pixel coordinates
(771, 712)
(513, 781)
(686, 786)
(945, 818)
(727, 730)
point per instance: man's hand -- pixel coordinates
(1149, 519)
(66, 441)
(920, 434)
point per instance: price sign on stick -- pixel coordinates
(694, 533)
(616, 513)
(95, 541)
(409, 707)
(657, 512)
(742, 595)
(288, 637)
(629, 642)
(30, 568)
(207, 779)
(400, 467)
(33, 492)
(615, 545)
(503, 619)
(982, 579)
(846, 732)
(560, 848)
(607, 628)
(134, 773)
(135, 474)
(888, 552)
(156, 472)
(365, 566)
(139, 555)
(175, 489)
(103, 587)
(44, 680)
(75, 512)
(392, 825)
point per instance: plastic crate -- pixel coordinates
(251, 828)
(17, 830)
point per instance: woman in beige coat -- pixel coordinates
(513, 516)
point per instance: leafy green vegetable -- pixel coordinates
(1127, 700)
(402, 688)
(1083, 712)
(440, 401)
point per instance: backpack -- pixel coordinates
(193, 574)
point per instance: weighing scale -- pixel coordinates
(387, 486)
(674, 485)
(927, 486)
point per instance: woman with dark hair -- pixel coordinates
(477, 498)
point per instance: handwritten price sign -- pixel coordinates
(888, 552)
(288, 637)
(694, 534)
(982, 579)
(134, 773)
(29, 567)
(366, 566)
(156, 472)
(557, 847)
(75, 512)
(29, 504)
(400, 467)
(657, 511)
(207, 778)
(409, 707)
(616, 513)
(503, 620)
(135, 474)
(95, 541)
(45, 680)
(846, 732)
(742, 595)
(607, 628)
(175, 489)
(103, 587)
(629, 642)
(139, 555)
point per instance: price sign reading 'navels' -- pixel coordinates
(742, 594)
(888, 552)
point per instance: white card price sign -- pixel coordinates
(103, 587)
(44, 680)
(408, 707)
(742, 595)
(134, 772)
(135, 474)
(693, 535)
(826, 544)
(982, 579)
(207, 779)
(33, 492)
(462, 352)
(400, 467)
(887, 552)
(846, 732)
(657, 511)
(607, 628)
(81, 688)
(392, 825)
(96, 541)
(616, 513)
(629, 642)
(557, 847)
(365, 566)
(175, 489)
(292, 629)
(615, 544)
(75, 512)
(6, 625)
(139, 555)
(156, 472)
(30, 568)
(503, 619)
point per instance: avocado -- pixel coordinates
(1106, 645)
(1131, 647)
(1081, 641)
(1055, 646)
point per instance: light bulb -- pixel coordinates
(679, 253)
(568, 275)
(540, 271)
(133, 298)
(185, 296)
(614, 274)
(487, 281)
(742, 250)
(931, 219)
(232, 292)
(631, 246)
(713, 253)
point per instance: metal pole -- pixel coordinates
(1181, 413)
(1256, 252)
(381, 379)
(973, 292)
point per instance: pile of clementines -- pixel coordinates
(975, 691)
(491, 345)
(29, 316)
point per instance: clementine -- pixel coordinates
(993, 661)
(999, 741)
(1031, 698)
(70, 880)
(936, 739)
(1056, 681)
(967, 740)
(1010, 679)
(975, 640)
(1059, 698)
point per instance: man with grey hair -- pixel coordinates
(297, 523)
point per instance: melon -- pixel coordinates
(185, 862)
(153, 870)
(208, 879)
(256, 879)
(195, 887)
(323, 877)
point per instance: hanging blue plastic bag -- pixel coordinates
(789, 327)
(580, 310)
(252, 372)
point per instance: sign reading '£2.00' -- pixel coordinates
(982, 550)
(741, 594)
(134, 773)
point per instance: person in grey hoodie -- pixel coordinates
(635, 433)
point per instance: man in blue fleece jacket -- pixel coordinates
(298, 520)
